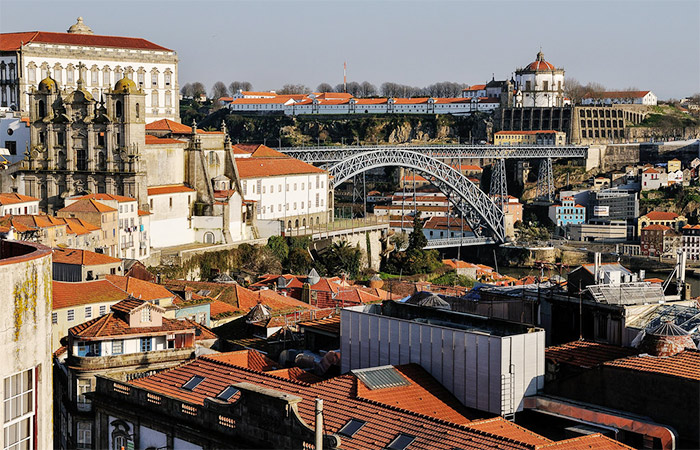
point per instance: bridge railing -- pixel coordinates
(337, 225)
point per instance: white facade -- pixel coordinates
(14, 135)
(654, 179)
(24, 207)
(622, 98)
(483, 371)
(281, 197)
(170, 218)
(539, 84)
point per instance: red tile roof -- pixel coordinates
(475, 87)
(106, 197)
(355, 296)
(618, 94)
(217, 307)
(82, 257)
(248, 359)
(594, 441)
(144, 290)
(586, 354)
(155, 140)
(87, 205)
(113, 325)
(326, 324)
(499, 133)
(683, 365)
(170, 189)
(272, 167)
(656, 227)
(651, 171)
(661, 215)
(14, 198)
(266, 152)
(423, 408)
(168, 125)
(13, 41)
(128, 305)
(66, 295)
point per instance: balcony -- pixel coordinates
(145, 359)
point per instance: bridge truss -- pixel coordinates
(474, 205)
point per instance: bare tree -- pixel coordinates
(219, 90)
(367, 89)
(186, 90)
(198, 89)
(574, 90)
(236, 86)
(324, 87)
(294, 89)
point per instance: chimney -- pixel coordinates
(596, 267)
(319, 425)
(188, 294)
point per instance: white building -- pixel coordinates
(488, 366)
(106, 59)
(171, 210)
(283, 188)
(133, 231)
(17, 204)
(14, 135)
(654, 179)
(621, 98)
(539, 84)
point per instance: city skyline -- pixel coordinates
(308, 42)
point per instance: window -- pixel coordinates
(154, 98)
(168, 99)
(141, 79)
(146, 314)
(31, 73)
(352, 427)
(88, 312)
(118, 347)
(401, 442)
(71, 315)
(94, 77)
(54, 318)
(84, 386)
(167, 79)
(193, 382)
(227, 393)
(19, 410)
(154, 79)
(84, 434)
(146, 344)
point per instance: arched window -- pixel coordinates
(138, 112)
(208, 237)
(296, 223)
(289, 225)
(101, 161)
(303, 223)
(42, 108)
(118, 109)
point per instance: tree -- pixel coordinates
(278, 245)
(400, 240)
(236, 86)
(217, 91)
(198, 89)
(299, 261)
(187, 90)
(367, 89)
(288, 89)
(324, 87)
(343, 258)
(417, 240)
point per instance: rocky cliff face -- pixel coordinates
(365, 129)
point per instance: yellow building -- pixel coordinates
(674, 165)
(536, 137)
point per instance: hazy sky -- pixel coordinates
(644, 44)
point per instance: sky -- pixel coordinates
(649, 45)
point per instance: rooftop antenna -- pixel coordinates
(345, 76)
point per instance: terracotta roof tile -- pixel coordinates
(170, 189)
(169, 125)
(266, 152)
(586, 354)
(217, 307)
(106, 197)
(502, 427)
(656, 227)
(249, 359)
(155, 140)
(87, 205)
(661, 215)
(272, 167)
(13, 41)
(594, 441)
(82, 257)
(683, 365)
(66, 295)
(113, 325)
(14, 198)
(326, 324)
(141, 289)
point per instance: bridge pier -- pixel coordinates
(499, 184)
(545, 181)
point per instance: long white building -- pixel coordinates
(26, 58)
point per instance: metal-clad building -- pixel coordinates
(488, 364)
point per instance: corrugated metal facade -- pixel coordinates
(490, 373)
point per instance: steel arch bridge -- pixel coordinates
(475, 206)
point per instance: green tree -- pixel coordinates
(342, 257)
(299, 261)
(278, 245)
(417, 240)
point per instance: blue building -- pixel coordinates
(568, 212)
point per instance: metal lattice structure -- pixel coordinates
(545, 181)
(474, 205)
(339, 153)
(499, 185)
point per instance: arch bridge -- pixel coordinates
(474, 205)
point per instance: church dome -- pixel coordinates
(124, 86)
(80, 28)
(48, 84)
(540, 64)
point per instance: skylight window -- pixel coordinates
(193, 383)
(401, 442)
(227, 393)
(352, 427)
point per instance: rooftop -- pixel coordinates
(14, 198)
(66, 295)
(586, 354)
(82, 257)
(13, 41)
(260, 167)
(87, 205)
(683, 365)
